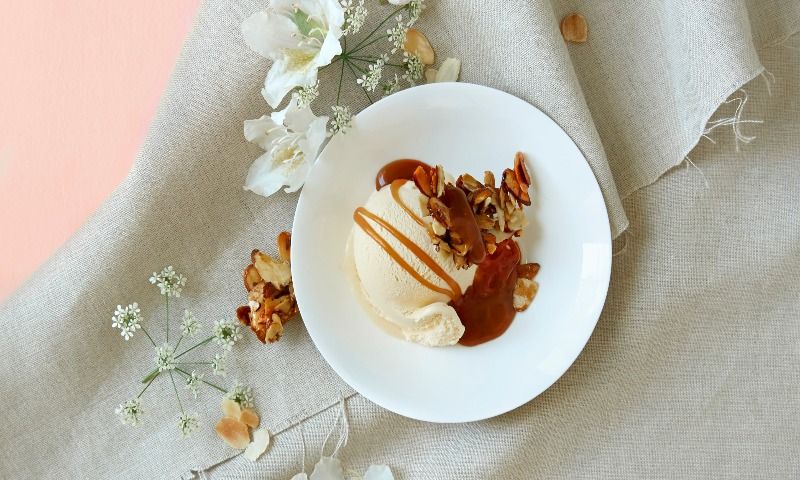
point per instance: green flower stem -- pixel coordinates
(341, 79)
(194, 363)
(362, 47)
(207, 383)
(148, 384)
(391, 15)
(148, 336)
(167, 297)
(373, 60)
(150, 376)
(172, 377)
(192, 348)
(350, 65)
(179, 342)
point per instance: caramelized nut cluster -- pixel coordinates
(526, 288)
(498, 210)
(270, 293)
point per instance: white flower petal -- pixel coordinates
(268, 33)
(281, 80)
(300, 476)
(315, 135)
(263, 131)
(263, 178)
(328, 469)
(330, 48)
(296, 177)
(378, 472)
(399, 2)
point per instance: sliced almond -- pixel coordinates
(480, 196)
(422, 179)
(249, 418)
(418, 44)
(277, 273)
(274, 329)
(258, 446)
(440, 212)
(234, 432)
(231, 408)
(439, 180)
(251, 277)
(284, 245)
(449, 70)
(430, 75)
(574, 28)
(488, 179)
(521, 170)
(512, 184)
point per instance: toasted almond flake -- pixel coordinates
(249, 418)
(231, 408)
(574, 28)
(277, 273)
(234, 432)
(284, 245)
(417, 44)
(251, 277)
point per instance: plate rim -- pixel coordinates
(596, 312)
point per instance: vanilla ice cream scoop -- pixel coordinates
(402, 275)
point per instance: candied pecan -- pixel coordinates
(426, 180)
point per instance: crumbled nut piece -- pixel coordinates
(234, 432)
(512, 184)
(521, 170)
(574, 28)
(231, 408)
(490, 241)
(524, 292)
(258, 446)
(270, 293)
(488, 179)
(527, 270)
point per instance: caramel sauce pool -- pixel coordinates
(397, 170)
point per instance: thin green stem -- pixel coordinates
(376, 28)
(194, 363)
(376, 39)
(341, 79)
(148, 336)
(207, 383)
(150, 376)
(179, 342)
(167, 297)
(172, 377)
(192, 348)
(148, 384)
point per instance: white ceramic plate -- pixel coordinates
(466, 128)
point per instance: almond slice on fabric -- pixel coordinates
(258, 446)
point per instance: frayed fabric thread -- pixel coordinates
(734, 121)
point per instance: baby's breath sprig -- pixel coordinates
(170, 361)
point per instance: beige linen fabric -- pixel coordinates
(692, 371)
(634, 98)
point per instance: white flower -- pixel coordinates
(342, 119)
(226, 333)
(188, 423)
(130, 411)
(169, 282)
(399, 2)
(218, 364)
(414, 9)
(242, 395)
(165, 357)
(413, 66)
(397, 34)
(193, 381)
(189, 325)
(127, 319)
(370, 80)
(299, 36)
(291, 139)
(392, 85)
(306, 95)
(354, 16)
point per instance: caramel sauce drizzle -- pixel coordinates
(361, 215)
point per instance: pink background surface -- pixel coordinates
(80, 82)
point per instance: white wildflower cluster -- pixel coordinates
(187, 423)
(226, 333)
(242, 395)
(193, 382)
(413, 68)
(341, 120)
(355, 13)
(397, 34)
(128, 319)
(307, 94)
(370, 80)
(392, 85)
(414, 9)
(218, 364)
(189, 325)
(165, 358)
(169, 282)
(130, 411)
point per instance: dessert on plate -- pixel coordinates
(437, 256)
